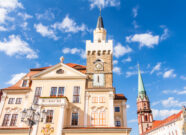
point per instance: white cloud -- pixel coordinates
(115, 62)
(15, 46)
(178, 92)
(45, 31)
(169, 74)
(145, 39)
(104, 3)
(47, 15)
(135, 24)
(133, 121)
(127, 60)
(16, 78)
(165, 34)
(117, 70)
(156, 68)
(128, 106)
(75, 51)
(6, 6)
(24, 25)
(2, 28)
(163, 113)
(183, 77)
(135, 11)
(25, 16)
(170, 102)
(131, 73)
(69, 25)
(120, 50)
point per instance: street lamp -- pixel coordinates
(31, 116)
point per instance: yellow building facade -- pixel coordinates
(68, 99)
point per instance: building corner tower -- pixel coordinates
(144, 111)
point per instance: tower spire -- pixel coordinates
(100, 21)
(141, 88)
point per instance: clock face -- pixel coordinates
(99, 66)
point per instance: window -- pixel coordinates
(24, 84)
(13, 120)
(53, 91)
(6, 120)
(117, 109)
(11, 100)
(61, 91)
(98, 118)
(18, 100)
(76, 94)
(98, 99)
(57, 91)
(74, 119)
(146, 118)
(37, 94)
(49, 116)
(117, 123)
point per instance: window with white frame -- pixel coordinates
(57, 91)
(49, 116)
(37, 95)
(6, 120)
(10, 122)
(13, 120)
(74, 119)
(18, 100)
(76, 94)
(11, 100)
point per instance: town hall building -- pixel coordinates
(67, 98)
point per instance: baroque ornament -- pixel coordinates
(47, 130)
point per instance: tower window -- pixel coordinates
(117, 109)
(117, 123)
(18, 100)
(11, 100)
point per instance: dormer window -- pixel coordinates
(24, 84)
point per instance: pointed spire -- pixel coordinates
(100, 21)
(141, 89)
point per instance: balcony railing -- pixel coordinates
(53, 101)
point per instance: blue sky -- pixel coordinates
(149, 32)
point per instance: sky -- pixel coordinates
(149, 32)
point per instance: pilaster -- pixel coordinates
(124, 114)
(86, 108)
(111, 109)
(60, 120)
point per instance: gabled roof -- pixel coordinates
(160, 123)
(34, 71)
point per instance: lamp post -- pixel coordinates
(31, 116)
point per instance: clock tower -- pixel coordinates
(99, 58)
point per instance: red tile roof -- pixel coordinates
(160, 123)
(120, 97)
